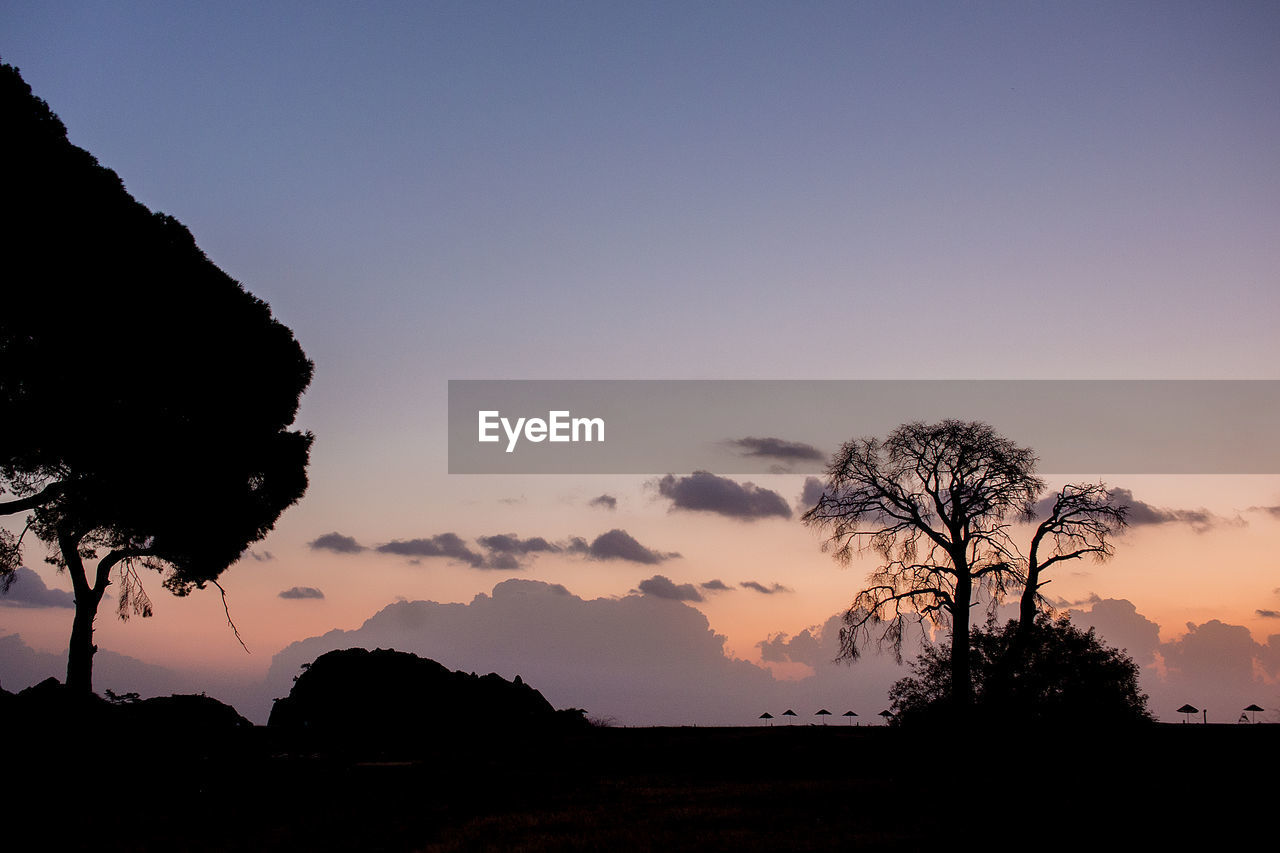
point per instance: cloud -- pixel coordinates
(1118, 621)
(337, 543)
(1143, 514)
(604, 502)
(502, 561)
(1061, 603)
(22, 666)
(777, 448)
(511, 544)
(1270, 510)
(302, 592)
(618, 545)
(1214, 665)
(715, 585)
(441, 545)
(660, 586)
(766, 590)
(27, 589)
(1268, 614)
(805, 647)
(809, 495)
(640, 659)
(264, 557)
(705, 492)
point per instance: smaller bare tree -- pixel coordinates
(1082, 522)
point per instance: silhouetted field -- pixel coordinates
(783, 788)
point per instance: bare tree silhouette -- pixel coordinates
(936, 503)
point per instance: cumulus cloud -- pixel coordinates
(661, 586)
(302, 592)
(777, 448)
(640, 659)
(715, 585)
(604, 502)
(617, 544)
(1213, 665)
(27, 589)
(1118, 621)
(766, 590)
(441, 545)
(805, 647)
(337, 543)
(705, 492)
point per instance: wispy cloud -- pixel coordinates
(765, 590)
(777, 448)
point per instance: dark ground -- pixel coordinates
(745, 789)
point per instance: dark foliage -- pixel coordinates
(51, 709)
(146, 396)
(387, 695)
(1056, 674)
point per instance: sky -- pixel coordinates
(435, 191)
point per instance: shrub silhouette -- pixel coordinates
(1057, 674)
(383, 694)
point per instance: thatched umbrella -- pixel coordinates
(766, 716)
(850, 715)
(788, 713)
(824, 713)
(886, 714)
(1188, 710)
(1254, 709)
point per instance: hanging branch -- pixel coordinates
(226, 609)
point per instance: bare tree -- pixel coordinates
(936, 502)
(1082, 521)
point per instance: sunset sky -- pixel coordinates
(435, 191)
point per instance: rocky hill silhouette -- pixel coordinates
(386, 694)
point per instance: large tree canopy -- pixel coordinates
(146, 397)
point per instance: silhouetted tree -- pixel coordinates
(145, 396)
(936, 502)
(1059, 675)
(1081, 522)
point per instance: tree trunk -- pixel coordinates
(80, 652)
(961, 678)
(80, 655)
(1027, 606)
